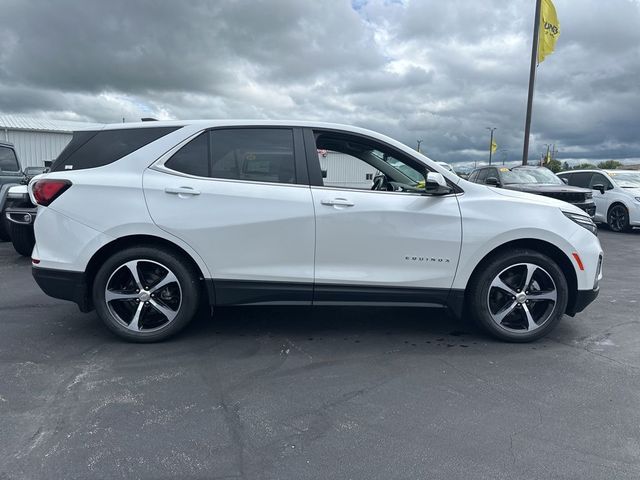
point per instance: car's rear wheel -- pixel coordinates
(519, 296)
(146, 294)
(22, 238)
(618, 218)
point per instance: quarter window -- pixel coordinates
(192, 158)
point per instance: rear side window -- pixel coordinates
(257, 154)
(254, 154)
(8, 160)
(96, 149)
(580, 179)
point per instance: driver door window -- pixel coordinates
(599, 179)
(356, 163)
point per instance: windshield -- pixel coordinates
(516, 176)
(541, 175)
(626, 179)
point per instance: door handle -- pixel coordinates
(181, 191)
(341, 202)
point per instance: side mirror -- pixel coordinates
(599, 187)
(492, 182)
(435, 184)
(565, 180)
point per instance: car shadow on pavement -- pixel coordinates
(344, 323)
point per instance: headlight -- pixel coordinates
(588, 195)
(583, 221)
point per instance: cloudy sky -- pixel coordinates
(438, 71)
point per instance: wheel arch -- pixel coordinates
(539, 246)
(121, 243)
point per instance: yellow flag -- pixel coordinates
(549, 30)
(494, 146)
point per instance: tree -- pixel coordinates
(609, 165)
(554, 165)
(584, 166)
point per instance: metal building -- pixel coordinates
(343, 170)
(37, 140)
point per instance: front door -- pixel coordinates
(379, 239)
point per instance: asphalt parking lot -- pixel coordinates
(321, 393)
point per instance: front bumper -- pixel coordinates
(583, 299)
(588, 207)
(65, 285)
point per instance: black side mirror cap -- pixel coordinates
(599, 187)
(492, 182)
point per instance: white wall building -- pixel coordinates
(37, 140)
(345, 171)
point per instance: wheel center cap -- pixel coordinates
(144, 296)
(521, 297)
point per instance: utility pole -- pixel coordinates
(419, 142)
(491, 143)
(532, 79)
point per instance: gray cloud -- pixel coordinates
(436, 71)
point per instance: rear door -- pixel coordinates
(375, 245)
(240, 198)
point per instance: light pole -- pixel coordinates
(491, 143)
(419, 142)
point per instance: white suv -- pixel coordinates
(143, 222)
(616, 194)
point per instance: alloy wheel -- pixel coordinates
(143, 295)
(522, 298)
(618, 218)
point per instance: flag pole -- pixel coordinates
(532, 79)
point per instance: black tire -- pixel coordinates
(487, 302)
(618, 218)
(149, 262)
(22, 238)
(4, 229)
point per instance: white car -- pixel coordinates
(143, 222)
(615, 192)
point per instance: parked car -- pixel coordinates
(616, 193)
(21, 213)
(536, 180)
(143, 221)
(10, 175)
(448, 167)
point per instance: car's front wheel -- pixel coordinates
(618, 218)
(146, 294)
(519, 295)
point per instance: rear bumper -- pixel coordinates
(64, 284)
(583, 299)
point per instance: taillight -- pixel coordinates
(46, 191)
